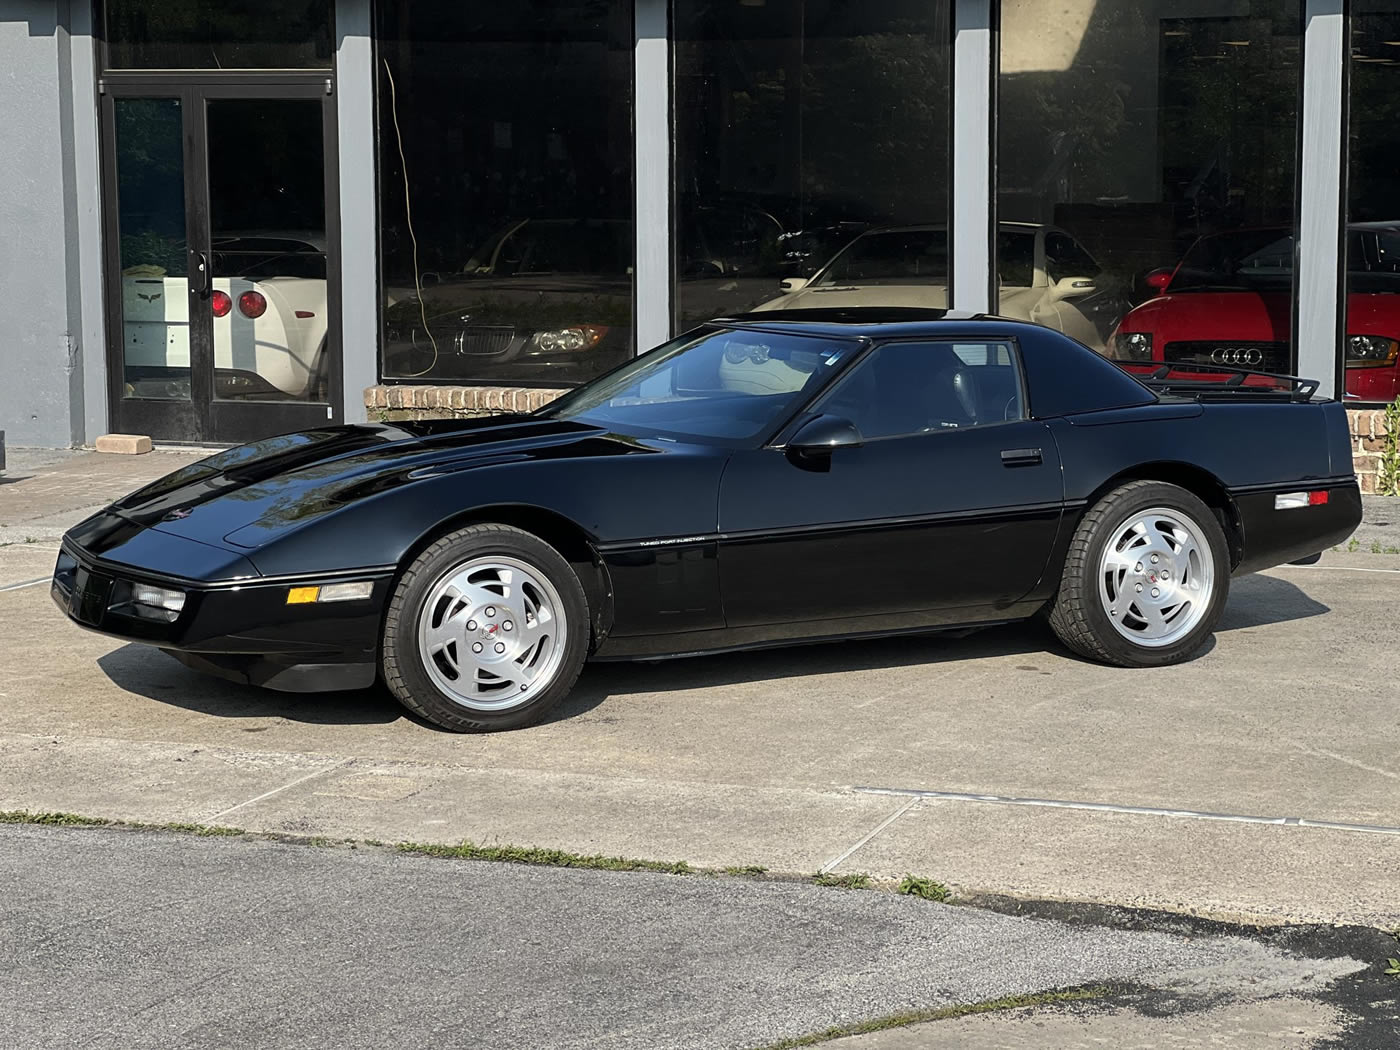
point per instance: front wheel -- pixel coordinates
(1146, 578)
(487, 629)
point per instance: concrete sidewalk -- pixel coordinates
(43, 492)
(796, 760)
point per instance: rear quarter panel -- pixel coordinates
(1254, 451)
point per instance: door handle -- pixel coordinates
(203, 280)
(1020, 457)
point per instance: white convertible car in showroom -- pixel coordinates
(1046, 277)
(270, 320)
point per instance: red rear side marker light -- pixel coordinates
(252, 304)
(305, 313)
(1317, 499)
(220, 303)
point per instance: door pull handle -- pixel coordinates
(1020, 457)
(204, 280)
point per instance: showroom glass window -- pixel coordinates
(800, 126)
(505, 177)
(1373, 205)
(1147, 163)
(218, 34)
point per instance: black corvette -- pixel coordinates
(761, 480)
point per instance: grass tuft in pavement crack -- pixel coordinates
(856, 880)
(553, 858)
(77, 820)
(942, 1013)
(928, 889)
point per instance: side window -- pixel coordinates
(1065, 258)
(1016, 259)
(915, 388)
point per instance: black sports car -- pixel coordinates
(761, 480)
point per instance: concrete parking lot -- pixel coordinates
(1189, 788)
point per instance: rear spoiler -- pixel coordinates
(1199, 381)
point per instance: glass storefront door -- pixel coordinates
(221, 288)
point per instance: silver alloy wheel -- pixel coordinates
(1157, 577)
(491, 633)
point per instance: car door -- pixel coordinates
(945, 513)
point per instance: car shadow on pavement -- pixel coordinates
(1255, 601)
(146, 672)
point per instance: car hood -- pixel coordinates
(246, 496)
(1253, 316)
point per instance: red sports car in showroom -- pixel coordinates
(1227, 303)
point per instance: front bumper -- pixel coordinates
(243, 630)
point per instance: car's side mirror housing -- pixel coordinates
(1158, 280)
(824, 435)
(1072, 288)
(792, 284)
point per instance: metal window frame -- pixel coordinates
(1319, 323)
(972, 223)
(653, 164)
(360, 287)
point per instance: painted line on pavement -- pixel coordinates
(1333, 568)
(26, 583)
(837, 861)
(1136, 811)
(276, 790)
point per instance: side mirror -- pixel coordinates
(1072, 288)
(824, 435)
(792, 284)
(1158, 280)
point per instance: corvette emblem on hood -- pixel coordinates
(178, 514)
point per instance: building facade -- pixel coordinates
(230, 220)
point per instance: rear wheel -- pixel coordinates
(1146, 578)
(487, 629)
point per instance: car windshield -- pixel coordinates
(714, 386)
(1245, 261)
(891, 257)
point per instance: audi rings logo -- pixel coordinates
(1237, 355)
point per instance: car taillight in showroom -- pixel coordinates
(252, 304)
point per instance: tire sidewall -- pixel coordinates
(1140, 498)
(401, 654)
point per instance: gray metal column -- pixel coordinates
(652, 174)
(359, 252)
(1321, 209)
(974, 67)
(87, 328)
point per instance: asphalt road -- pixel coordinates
(122, 939)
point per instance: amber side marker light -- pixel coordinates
(330, 592)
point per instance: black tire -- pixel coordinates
(402, 660)
(1077, 614)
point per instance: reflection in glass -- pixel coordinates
(150, 171)
(505, 161)
(267, 217)
(1129, 130)
(218, 34)
(1371, 352)
(801, 125)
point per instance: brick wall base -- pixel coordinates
(388, 403)
(1368, 433)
